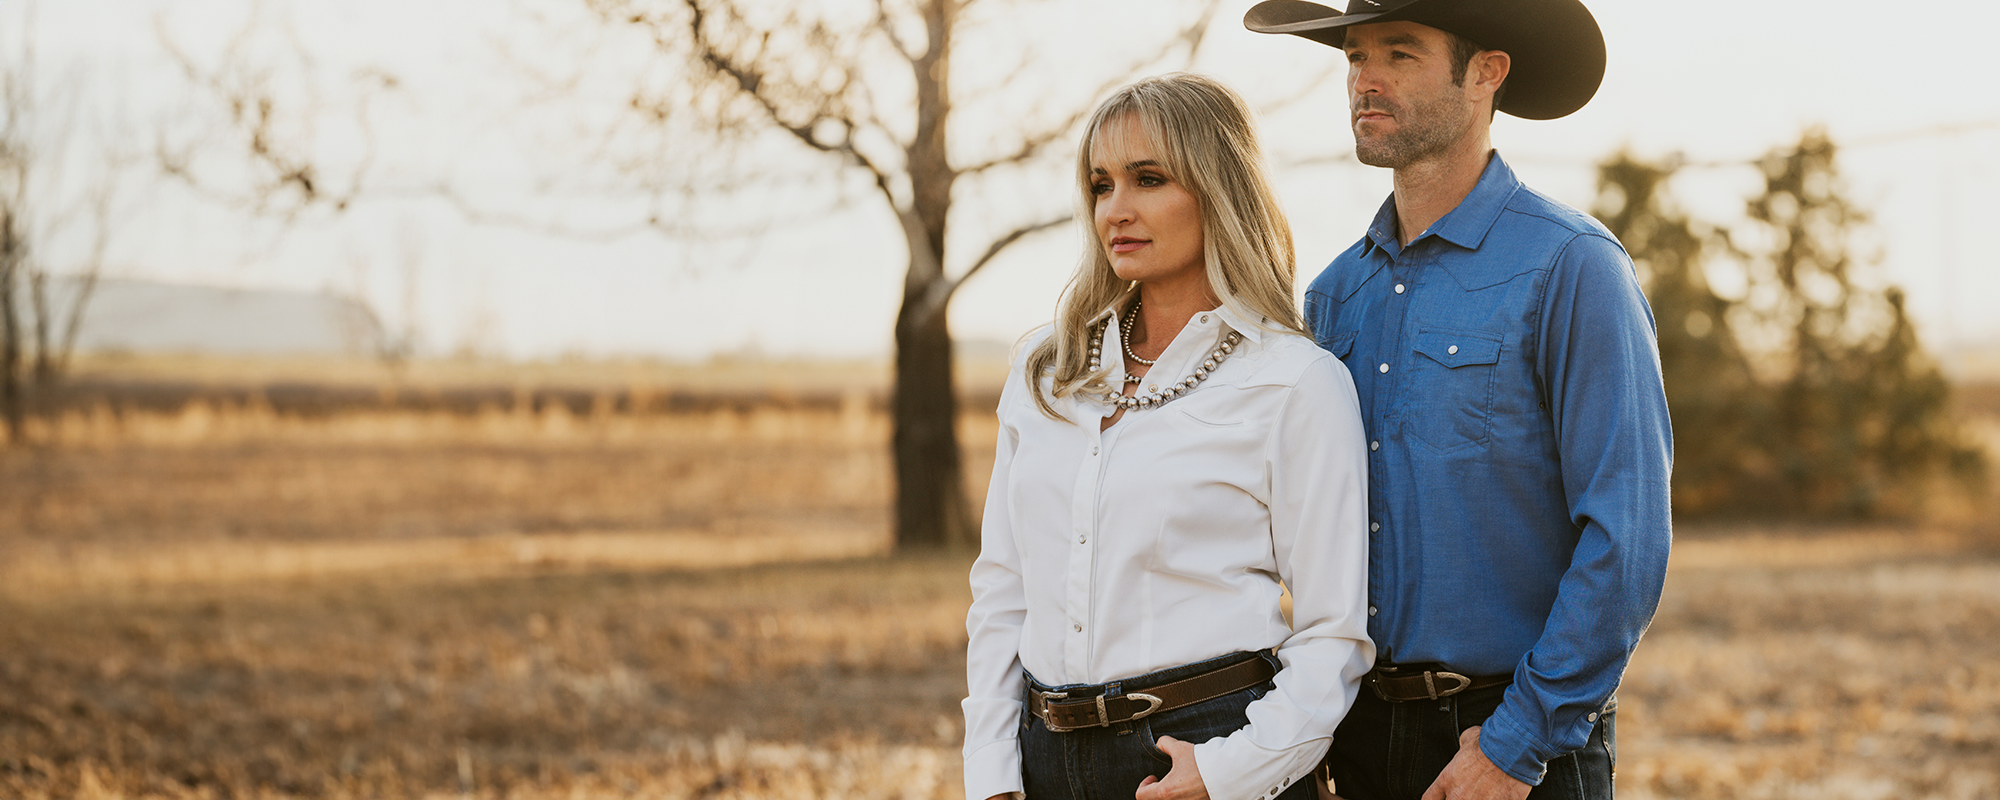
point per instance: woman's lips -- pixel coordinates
(1127, 245)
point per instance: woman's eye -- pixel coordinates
(1100, 188)
(1151, 180)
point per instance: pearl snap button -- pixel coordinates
(1452, 350)
(1384, 368)
(1399, 288)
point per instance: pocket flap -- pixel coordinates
(1459, 348)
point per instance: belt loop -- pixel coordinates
(1111, 690)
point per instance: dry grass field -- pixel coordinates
(226, 601)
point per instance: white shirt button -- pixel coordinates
(1204, 318)
(1078, 627)
(1153, 387)
(1080, 538)
(1452, 350)
(1399, 288)
(1093, 451)
(1384, 368)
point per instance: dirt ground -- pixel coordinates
(226, 602)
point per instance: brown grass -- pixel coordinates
(229, 602)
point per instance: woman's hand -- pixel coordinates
(1183, 781)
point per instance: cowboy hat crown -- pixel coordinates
(1555, 46)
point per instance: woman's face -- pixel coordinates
(1148, 223)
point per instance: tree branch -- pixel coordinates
(939, 293)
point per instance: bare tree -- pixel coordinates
(868, 86)
(53, 225)
(873, 91)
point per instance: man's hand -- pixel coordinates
(1183, 781)
(1470, 776)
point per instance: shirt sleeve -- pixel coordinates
(1600, 371)
(1318, 474)
(993, 681)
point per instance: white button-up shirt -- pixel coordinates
(1165, 539)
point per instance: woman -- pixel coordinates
(1172, 449)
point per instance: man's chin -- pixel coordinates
(1375, 155)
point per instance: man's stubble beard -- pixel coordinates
(1426, 129)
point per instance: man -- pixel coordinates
(1510, 387)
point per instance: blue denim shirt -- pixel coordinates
(1510, 387)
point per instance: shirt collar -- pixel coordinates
(1254, 332)
(1466, 224)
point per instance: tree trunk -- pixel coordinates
(932, 511)
(10, 333)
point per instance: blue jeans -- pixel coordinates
(1108, 763)
(1393, 751)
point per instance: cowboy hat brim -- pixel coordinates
(1555, 47)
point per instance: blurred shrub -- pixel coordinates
(1796, 382)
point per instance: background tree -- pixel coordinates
(871, 87)
(1809, 394)
(54, 232)
(1863, 421)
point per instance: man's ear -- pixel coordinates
(1489, 69)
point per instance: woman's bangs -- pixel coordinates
(1115, 144)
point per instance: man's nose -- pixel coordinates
(1362, 79)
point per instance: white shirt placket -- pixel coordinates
(1079, 577)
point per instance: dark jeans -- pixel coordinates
(1108, 763)
(1394, 751)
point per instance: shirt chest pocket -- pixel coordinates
(1451, 386)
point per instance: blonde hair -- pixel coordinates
(1201, 133)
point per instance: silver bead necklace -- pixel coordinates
(1132, 320)
(1225, 346)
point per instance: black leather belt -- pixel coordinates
(1089, 707)
(1400, 683)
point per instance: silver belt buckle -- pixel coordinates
(1103, 715)
(1430, 684)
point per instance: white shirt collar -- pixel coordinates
(1252, 331)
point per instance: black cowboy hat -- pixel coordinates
(1555, 46)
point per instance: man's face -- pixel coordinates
(1404, 104)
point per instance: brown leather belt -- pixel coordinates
(1399, 683)
(1066, 711)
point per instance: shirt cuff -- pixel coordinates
(1243, 770)
(1512, 751)
(994, 768)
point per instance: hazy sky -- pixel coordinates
(1906, 95)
